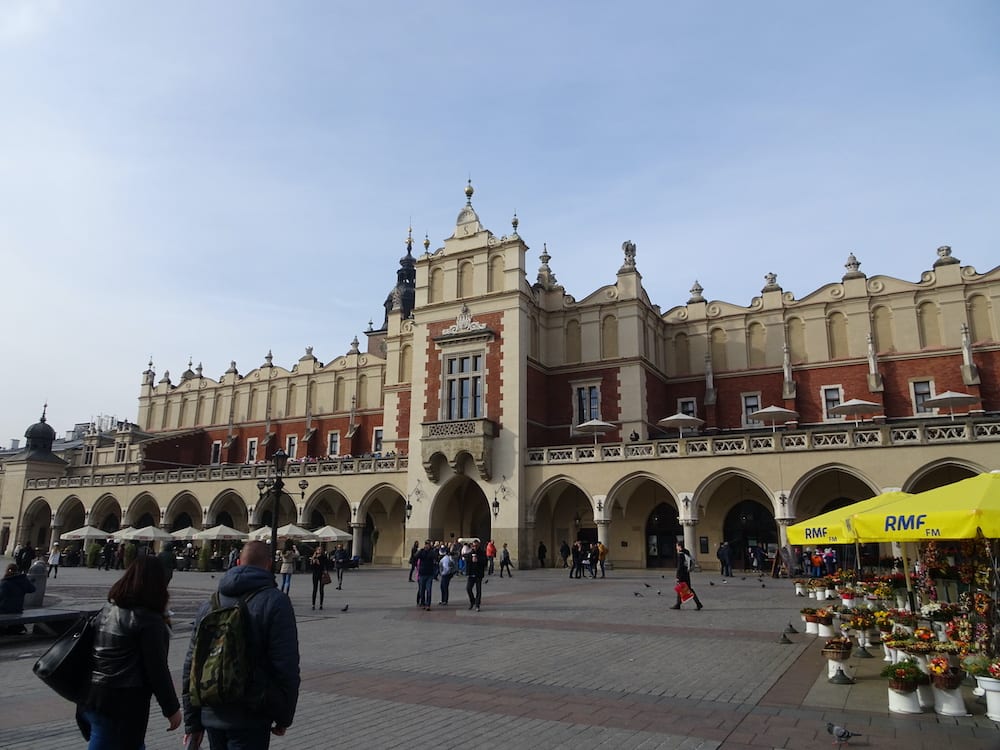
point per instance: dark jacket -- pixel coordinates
(130, 663)
(274, 639)
(427, 562)
(340, 558)
(12, 591)
(683, 566)
(475, 563)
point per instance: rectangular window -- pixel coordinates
(921, 390)
(216, 453)
(377, 440)
(252, 451)
(832, 395)
(751, 403)
(88, 455)
(120, 452)
(687, 406)
(291, 445)
(333, 444)
(588, 403)
(463, 387)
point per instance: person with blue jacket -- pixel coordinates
(274, 639)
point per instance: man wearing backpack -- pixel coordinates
(257, 692)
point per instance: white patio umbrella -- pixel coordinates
(263, 534)
(184, 535)
(679, 421)
(595, 427)
(223, 533)
(86, 534)
(291, 531)
(332, 534)
(773, 414)
(146, 534)
(854, 408)
(951, 399)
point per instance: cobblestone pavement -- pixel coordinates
(549, 662)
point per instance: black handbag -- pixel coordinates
(67, 665)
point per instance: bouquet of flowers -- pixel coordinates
(902, 617)
(924, 635)
(939, 665)
(938, 612)
(882, 591)
(863, 619)
(882, 620)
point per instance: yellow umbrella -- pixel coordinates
(831, 527)
(956, 511)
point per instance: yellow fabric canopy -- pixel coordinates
(831, 527)
(956, 511)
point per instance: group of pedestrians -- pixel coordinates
(585, 557)
(437, 561)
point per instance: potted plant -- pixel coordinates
(987, 674)
(837, 648)
(943, 675)
(903, 676)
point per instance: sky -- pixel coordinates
(216, 180)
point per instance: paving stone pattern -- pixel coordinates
(549, 662)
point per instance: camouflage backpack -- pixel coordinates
(222, 662)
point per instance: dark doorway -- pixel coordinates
(747, 524)
(663, 530)
(183, 521)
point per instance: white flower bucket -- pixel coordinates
(820, 594)
(811, 594)
(991, 688)
(847, 601)
(949, 702)
(890, 654)
(824, 631)
(832, 665)
(812, 628)
(904, 703)
(925, 696)
(800, 589)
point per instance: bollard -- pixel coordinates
(38, 574)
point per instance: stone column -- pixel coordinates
(690, 525)
(54, 530)
(356, 529)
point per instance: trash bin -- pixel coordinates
(38, 574)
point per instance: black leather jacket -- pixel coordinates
(130, 656)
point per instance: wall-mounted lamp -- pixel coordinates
(303, 484)
(409, 510)
(496, 507)
(500, 493)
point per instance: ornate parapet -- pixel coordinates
(455, 439)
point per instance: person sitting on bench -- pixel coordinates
(13, 588)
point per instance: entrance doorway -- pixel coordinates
(749, 523)
(663, 531)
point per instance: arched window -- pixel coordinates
(756, 341)
(435, 292)
(836, 331)
(797, 340)
(496, 273)
(979, 319)
(340, 395)
(363, 392)
(572, 341)
(927, 325)
(465, 275)
(882, 327)
(682, 354)
(719, 340)
(251, 403)
(405, 363)
(609, 337)
(291, 407)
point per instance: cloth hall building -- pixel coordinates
(462, 414)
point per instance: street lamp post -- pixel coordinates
(280, 461)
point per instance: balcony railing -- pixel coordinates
(229, 472)
(823, 437)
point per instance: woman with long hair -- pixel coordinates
(130, 661)
(319, 563)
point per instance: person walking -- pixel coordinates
(54, 557)
(564, 553)
(341, 560)
(475, 569)
(725, 555)
(25, 556)
(602, 555)
(446, 570)
(288, 558)
(684, 562)
(318, 566)
(576, 570)
(491, 556)
(130, 662)
(427, 566)
(413, 558)
(505, 561)
(542, 551)
(108, 554)
(274, 641)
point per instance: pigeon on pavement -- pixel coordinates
(344, 608)
(840, 734)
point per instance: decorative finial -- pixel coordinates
(45, 408)
(268, 359)
(469, 190)
(309, 351)
(199, 369)
(514, 222)
(370, 325)
(232, 367)
(944, 257)
(190, 361)
(427, 243)
(409, 241)
(772, 283)
(852, 265)
(628, 247)
(354, 346)
(546, 279)
(696, 291)
(150, 361)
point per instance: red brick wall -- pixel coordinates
(556, 414)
